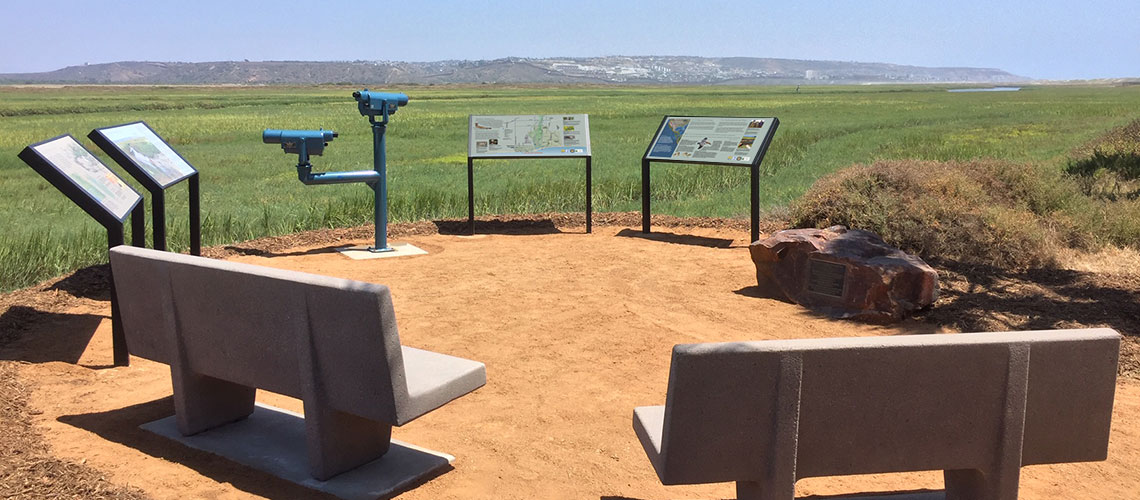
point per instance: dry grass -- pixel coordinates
(980, 212)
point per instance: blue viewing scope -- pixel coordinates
(302, 142)
(375, 103)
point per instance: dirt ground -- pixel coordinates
(575, 329)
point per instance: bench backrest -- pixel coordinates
(264, 328)
(886, 404)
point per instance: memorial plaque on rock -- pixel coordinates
(843, 273)
(826, 278)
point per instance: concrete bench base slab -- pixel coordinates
(925, 495)
(361, 252)
(272, 440)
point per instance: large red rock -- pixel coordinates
(843, 272)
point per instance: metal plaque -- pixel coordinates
(826, 278)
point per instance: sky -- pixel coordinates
(1043, 39)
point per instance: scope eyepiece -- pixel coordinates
(375, 103)
(299, 142)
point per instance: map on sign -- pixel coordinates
(87, 172)
(149, 152)
(525, 135)
(711, 139)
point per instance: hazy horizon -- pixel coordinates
(1039, 40)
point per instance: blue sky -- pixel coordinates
(1040, 39)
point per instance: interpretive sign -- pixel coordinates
(708, 139)
(74, 170)
(80, 176)
(148, 153)
(527, 136)
(711, 140)
(491, 136)
(151, 161)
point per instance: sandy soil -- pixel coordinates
(575, 330)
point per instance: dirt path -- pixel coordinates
(575, 330)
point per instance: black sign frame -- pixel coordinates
(157, 189)
(64, 183)
(471, 184)
(754, 168)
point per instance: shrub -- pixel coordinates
(979, 212)
(1108, 167)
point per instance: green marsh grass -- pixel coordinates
(249, 189)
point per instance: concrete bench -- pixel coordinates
(977, 406)
(227, 328)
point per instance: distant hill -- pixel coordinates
(610, 69)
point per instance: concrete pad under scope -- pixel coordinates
(272, 440)
(362, 252)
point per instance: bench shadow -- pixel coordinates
(91, 282)
(678, 239)
(122, 426)
(57, 336)
(497, 226)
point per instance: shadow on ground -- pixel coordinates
(756, 292)
(497, 226)
(679, 239)
(122, 426)
(57, 336)
(92, 282)
(979, 298)
(257, 252)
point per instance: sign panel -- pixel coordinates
(490, 136)
(707, 139)
(149, 153)
(89, 174)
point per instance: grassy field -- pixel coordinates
(249, 189)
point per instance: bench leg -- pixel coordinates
(1000, 480)
(780, 479)
(973, 484)
(202, 403)
(754, 490)
(338, 442)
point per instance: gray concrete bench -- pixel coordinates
(977, 406)
(227, 328)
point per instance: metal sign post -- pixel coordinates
(100, 192)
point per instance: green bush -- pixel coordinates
(1124, 164)
(978, 212)
(1108, 167)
